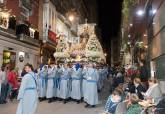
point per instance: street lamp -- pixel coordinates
(71, 18)
(131, 24)
(140, 12)
(129, 36)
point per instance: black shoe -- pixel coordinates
(50, 100)
(93, 106)
(78, 101)
(64, 101)
(55, 99)
(87, 105)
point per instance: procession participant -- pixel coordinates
(105, 72)
(76, 83)
(100, 81)
(28, 92)
(42, 83)
(64, 81)
(50, 84)
(91, 95)
(84, 81)
(56, 81)
(70, 81)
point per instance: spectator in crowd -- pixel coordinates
(113, 101)
(13, 82)
(3, 83)
(119, 78)
(160, 107)
(133, 106)
(139, 89)
(129, 85)
(153, 91)
(23, 72)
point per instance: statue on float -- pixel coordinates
(88, 47)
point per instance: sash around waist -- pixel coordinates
(92, 81)
(49, 78)
(76, 79)
(31, 88)
(64, 78)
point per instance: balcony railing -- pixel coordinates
(26, 30)
(22, 32)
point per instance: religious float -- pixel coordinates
(84, 48)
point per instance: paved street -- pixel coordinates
(59, 108)
(53, 108)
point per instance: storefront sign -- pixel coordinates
(51, 36)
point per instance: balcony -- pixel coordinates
(22, 32)
(27, 34)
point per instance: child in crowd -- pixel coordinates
(113, 101)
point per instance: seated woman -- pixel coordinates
(113, 101)
(133, 106)
(139, 89)
(160, 107)
(153, 91)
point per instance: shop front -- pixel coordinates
(14, 53)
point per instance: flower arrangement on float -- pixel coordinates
(92, 54)
(77, 52)
(61, 55)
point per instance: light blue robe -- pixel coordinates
(64, 83)
(70, 82)
(91, 95)
(27, 96)
(100, 81)
(76, 84)
(42, 83)
(50, 83)
(56, 81)
(84, 82)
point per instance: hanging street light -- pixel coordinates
(140, 12)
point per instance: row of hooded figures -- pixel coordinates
(77, 83)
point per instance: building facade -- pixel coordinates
(19, 36)
(145, 34)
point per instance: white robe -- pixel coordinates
(91, 95)
(28, 96)
(50, 84)
(76, 84)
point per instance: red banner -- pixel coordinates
(52, 36)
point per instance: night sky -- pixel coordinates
(109, 17)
